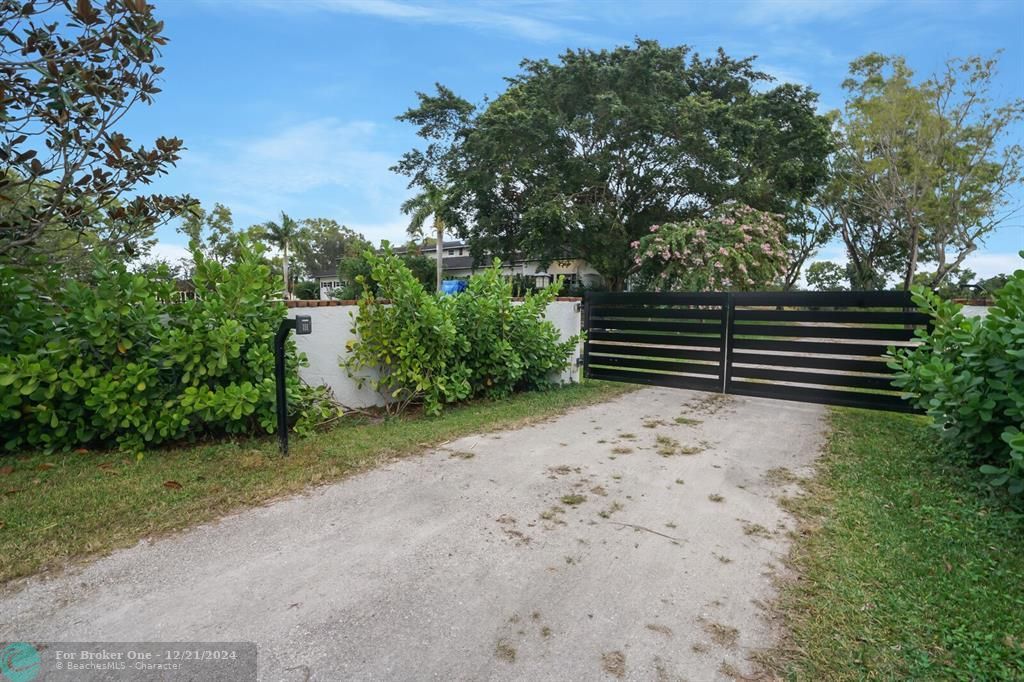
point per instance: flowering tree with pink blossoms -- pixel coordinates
(737, 248)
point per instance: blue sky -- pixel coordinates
(290, 104)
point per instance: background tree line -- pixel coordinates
(578, 158)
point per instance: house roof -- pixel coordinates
(453, 244)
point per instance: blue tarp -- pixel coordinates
(453, 286)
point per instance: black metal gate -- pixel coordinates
(821, 347)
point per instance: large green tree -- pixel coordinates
(322, 244)
(69, 73)
(581, 156)
(923, 171)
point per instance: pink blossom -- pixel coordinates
(654, 228)
(633, 245)
(701, 232)
(718, 264)
(766, 249)
(722, 250)
(747, 239)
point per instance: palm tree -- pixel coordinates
(430, 202)
(281, 235)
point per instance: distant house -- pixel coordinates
(458, 264)
(327, 282)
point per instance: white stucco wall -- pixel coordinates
(333, 327)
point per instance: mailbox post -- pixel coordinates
(302, 324)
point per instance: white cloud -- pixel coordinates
(173, 253)
(987, 264)
(540, 22)
(394, 231)
(335, 161)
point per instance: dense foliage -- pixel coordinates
(584, 154)
(969, 375)
(69, 73)
(434, 349)
(737, 248)
(114, 361)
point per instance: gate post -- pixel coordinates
(726, 335)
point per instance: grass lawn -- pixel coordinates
(909, 568)
(60, 507)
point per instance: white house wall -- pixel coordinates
(333, 327)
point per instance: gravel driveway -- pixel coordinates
(634, 539)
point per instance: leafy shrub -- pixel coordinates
(412, 341)
(511, 346)
(111, 360)
(969, 376)
(441, 349)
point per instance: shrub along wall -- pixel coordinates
(113, 362)
(334, 325)
(426, 348)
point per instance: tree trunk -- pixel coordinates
(284, 266)
(912, 262)
(439, 226)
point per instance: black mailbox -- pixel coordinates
(302, 324)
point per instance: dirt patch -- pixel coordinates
(722, 635)
(660, 629)
(505, 651)
(614, 663)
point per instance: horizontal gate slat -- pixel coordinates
(647, 325)
(849, 380)
(602, 312)
(822, 347)
(670, 380)
(602, 298)
(825, 299)
(666, 340)
(825, 332)
(640, 364)
(833, 316)
(647, 351)
(825, 396)
(813, 362)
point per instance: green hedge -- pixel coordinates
(969, 376)
(433, 349)
(115, 361)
